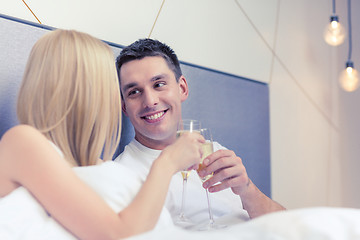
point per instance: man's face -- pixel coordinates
(152, 100)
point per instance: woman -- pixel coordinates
(69, 110)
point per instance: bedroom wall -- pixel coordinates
(314, 124)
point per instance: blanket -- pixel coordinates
(309, 223)
(22, 217)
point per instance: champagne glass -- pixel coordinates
(208, 149)
(185, 125)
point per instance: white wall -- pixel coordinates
(314, 131)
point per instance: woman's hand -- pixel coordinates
(185, 153)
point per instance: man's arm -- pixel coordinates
(257, 203)
(229, 171)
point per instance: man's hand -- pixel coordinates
(228, 170)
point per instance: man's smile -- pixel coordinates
(154, 117)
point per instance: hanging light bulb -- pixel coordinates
(349, 78)
(334, 33)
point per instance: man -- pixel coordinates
(153, 88)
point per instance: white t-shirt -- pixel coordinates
(140, 158)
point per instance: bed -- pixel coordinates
(241, 104)
(310, 224)
(30, 221)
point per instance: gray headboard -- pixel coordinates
(235, 108)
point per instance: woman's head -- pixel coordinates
(70, 93)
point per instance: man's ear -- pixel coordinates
(123, 108)
(183, 87)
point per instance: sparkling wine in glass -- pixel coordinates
(207, 149)
(185, 125)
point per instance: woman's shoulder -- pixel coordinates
(21, 132)
(21, 142)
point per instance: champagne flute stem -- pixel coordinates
(209, 208)
(183, 199)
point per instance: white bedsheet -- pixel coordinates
(21, 217)
(302, 224)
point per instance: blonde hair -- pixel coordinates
(70, 92)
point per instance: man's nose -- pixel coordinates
(150, 98)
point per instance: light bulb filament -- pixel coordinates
(335, 24)
(349, 70)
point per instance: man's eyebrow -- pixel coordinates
(157, 77)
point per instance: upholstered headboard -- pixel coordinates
(235, 108)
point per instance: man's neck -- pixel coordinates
(154, 144)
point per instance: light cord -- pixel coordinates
(350, 35)
(153, 26)
(31, 11)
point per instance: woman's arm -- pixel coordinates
(28, 159)
(185, 152)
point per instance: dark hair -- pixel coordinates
(149, 48)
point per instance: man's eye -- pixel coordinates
(133, 92)
(159, 84)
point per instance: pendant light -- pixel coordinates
(334, 33)
(349, 78)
